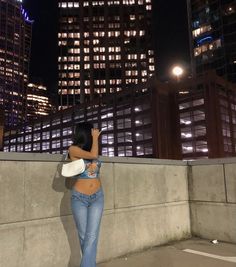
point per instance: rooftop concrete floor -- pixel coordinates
(201, 253)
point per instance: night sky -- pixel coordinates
(170, 28)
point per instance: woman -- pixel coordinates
(87, 199)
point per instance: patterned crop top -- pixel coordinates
(92, 169)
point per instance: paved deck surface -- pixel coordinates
(188, 253)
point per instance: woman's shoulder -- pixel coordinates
(74, 151)
(75, 148)
(72, 147)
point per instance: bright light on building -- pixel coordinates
(177, 71)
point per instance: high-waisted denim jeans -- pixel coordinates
(87, 212)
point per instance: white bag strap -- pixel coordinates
(67, 154)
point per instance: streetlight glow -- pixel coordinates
(177, 71)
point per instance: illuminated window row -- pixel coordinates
(134, 33)
(69, 91)
(100, 82)
(68, 5)
(69, 67)
(99, 34)
(113, 33)
(62, 43)
(130, 2)
(96, 82)
(109, 3)
(201, 30)
(65, 59)
(99, 66)
(99, 57)
(70, 35)
(69, 83)
(77, 43)
(115, 81)
(196, 146)
(132, 56)
(99, 49)
(131, 73)
(209, 46)
(37, 98)
(114, 57)
(131, 64)
(134, 81)
(69, 75)
(86, 66)
(114, 49)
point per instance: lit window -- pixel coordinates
(63, 5)
(95, 41)
(201, 30)
(209, 46)
(144, 73)
(141, 33)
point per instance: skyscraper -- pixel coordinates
(15, 43)
(105, 47)
(212, 33)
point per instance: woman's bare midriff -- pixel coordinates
(87, 186)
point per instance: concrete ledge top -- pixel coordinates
(212, 161)
(16, 156)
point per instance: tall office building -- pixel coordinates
(212, 28)
(105, 47)
(15, 43)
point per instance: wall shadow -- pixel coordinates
(64, 185)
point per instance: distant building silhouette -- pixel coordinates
(212, 34)
(206, 116)
(15, 43)
(135, 123)
(190, 119)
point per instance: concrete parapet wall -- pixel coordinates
(146, 204)
(212, 194)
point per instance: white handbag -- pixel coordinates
(72, 168)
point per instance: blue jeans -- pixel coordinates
(87, 212)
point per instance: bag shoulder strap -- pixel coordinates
(67, 154)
